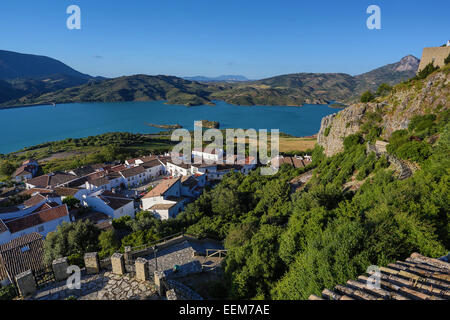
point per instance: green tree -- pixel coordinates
(331, 257)
(367, 96)
(253, 266)
(7, 168)
(71, 240)
(447, 60)
(109, 244)
(425, 72)
(384, 89)
(71, 202)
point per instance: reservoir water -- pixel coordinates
(28, 126)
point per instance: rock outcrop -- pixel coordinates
(407, 100)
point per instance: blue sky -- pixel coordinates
(255, 38)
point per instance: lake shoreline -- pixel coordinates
(77, 120)
(164, 102)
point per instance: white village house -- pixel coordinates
(112, 204)
(165, 200)
(43, 220)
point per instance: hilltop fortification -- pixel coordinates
(436, 55)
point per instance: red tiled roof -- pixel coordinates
(115, 203)
(45, 206)
(132, 172)
(102, 181)
(162, 206)
(40, 181)
(34, 190)
(151, 164)
(417, 278)
(161, 188)
(95, 176)
(21, 254)
(36, 199)
(37, 218)
(25, 169)
(148, 158)
(66, 192)
(117, 168)
(52, 180)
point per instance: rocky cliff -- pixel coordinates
(405, 101)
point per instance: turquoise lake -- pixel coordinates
(28, 126)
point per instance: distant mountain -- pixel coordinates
(291, 89)
(132, 88)
(300, 88)
(15, 65)
(392, 74)
(224, 78)
(35, 75)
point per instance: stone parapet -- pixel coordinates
(118, 264)
(92, 262)
(26, 283)
(60, 267)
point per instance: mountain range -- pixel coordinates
(30, 79)
(224, 78)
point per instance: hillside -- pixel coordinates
(15, 65)
(292, 89)
(32, 75)
(392, 112)
(299, 88)
(8, 92)
(132, 88)
(391, 74)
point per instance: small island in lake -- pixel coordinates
(210, 124)
(166, 126)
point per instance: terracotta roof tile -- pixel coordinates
(21, 254)
(66, 192)
(37, 218)
(417, 278)
(115, 203)
(24, 169)
(162, 206)
(132, 172)
(102, 181)
(151, 164)
(34, 190)
(34, 200)
(161, 188)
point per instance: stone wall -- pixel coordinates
(436, 55)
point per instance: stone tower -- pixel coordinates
(436, 55)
